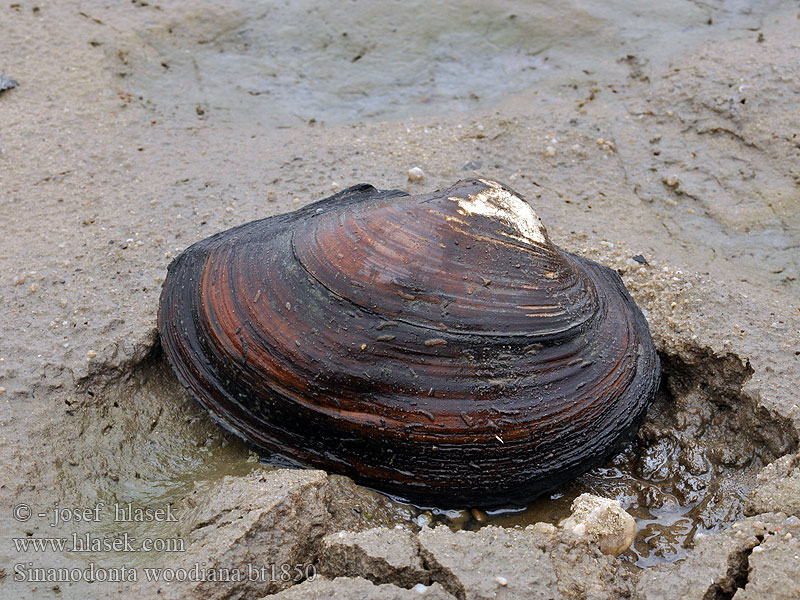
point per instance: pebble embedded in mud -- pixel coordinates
(602, 520)
(416, 174)
(6, 83)
(479, 515)
(670, 180)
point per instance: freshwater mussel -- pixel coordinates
(437, 347)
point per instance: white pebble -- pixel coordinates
(579, 529)
(501, 580)
(424, 520)
(603, 521)
(549, 151)
(420, 588)
(416, 174)
(671, 180)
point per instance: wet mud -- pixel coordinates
(661, 141)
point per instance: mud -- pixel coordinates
(694, 464)
(670, 133)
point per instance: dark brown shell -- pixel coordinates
(437, 347)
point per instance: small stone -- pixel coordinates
(416, 174)
(501, 580)
(604, 521)
(457, 517)
(424, 519)
(479, 515)
(6, 83)
(91, 354)
(544, 528)
(670, 180)
(550, 151)
(639, 259)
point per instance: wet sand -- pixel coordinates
(662, 132)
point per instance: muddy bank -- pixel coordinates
(688, 159)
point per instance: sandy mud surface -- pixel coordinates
(662, 142)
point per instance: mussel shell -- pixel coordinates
(437, 347)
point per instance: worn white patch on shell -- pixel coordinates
(498, 203)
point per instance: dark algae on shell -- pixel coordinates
(437, 347)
